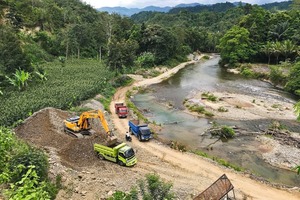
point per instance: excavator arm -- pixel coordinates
(83, 124)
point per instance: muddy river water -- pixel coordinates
(189, 130)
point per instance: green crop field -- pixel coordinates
(65, 87)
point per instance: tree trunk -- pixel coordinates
(67, 50)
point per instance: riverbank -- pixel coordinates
(190, 173)
(239, 107)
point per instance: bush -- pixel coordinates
(29, 157)
(247, 72)
(277, 77)
(228, 132)
(155, 189)
(121, 81)
(152, 189)
(209, 96)
(7, 142)
(146, 60)
(28, 187)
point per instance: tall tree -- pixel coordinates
(12, 56)
(235, 46)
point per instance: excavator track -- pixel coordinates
(75, 135)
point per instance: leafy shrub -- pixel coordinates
(7, 142)
(209, 96)
(146, 60)
(152, 189)
(199, 109)
(119, 195)
(227, 132)
(247, 72)
(29, 157)
(28, 187)
(155, 189)
(121, 81)
(277, 77)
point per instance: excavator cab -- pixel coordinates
(80, 125)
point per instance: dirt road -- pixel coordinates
(190, 174)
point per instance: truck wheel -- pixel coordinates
(100, 156)
(120, 163)
(130, 131)
(140, 138)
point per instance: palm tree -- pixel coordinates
(279, 30)
(267, 49)
(276, 50)
(288, 48)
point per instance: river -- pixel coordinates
(189, 130)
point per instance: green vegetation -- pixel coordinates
(209, 96)
(222, 109)
(222, 131)
(150, 189)
(199, 109)
(297, 168)
(219, 161)
(24, 170)
(80, 80)
(59, 53)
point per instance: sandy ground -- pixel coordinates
(245, 107)
(86, 177)
(191, 171)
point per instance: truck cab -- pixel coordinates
(126, 156)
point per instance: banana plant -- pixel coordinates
(42, 75)
(20, 79)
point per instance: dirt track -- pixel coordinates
(193, 172)
(86, 177)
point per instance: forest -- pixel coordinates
(72, 51)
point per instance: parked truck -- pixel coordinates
(121, 110)
(119, 153)
(141, 131)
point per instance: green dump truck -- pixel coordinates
(120, 153)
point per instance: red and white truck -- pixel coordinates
(121, 110)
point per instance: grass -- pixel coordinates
(219, 161)
(209, 96)
(199, 109)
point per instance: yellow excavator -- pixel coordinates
(80, 125)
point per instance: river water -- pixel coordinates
(189, 130)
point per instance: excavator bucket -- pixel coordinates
(111, 140)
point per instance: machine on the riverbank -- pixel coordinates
(141, 131)
(119, 153)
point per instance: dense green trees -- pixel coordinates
(235, 46)
(12, 56)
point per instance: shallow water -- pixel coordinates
(189, 130)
